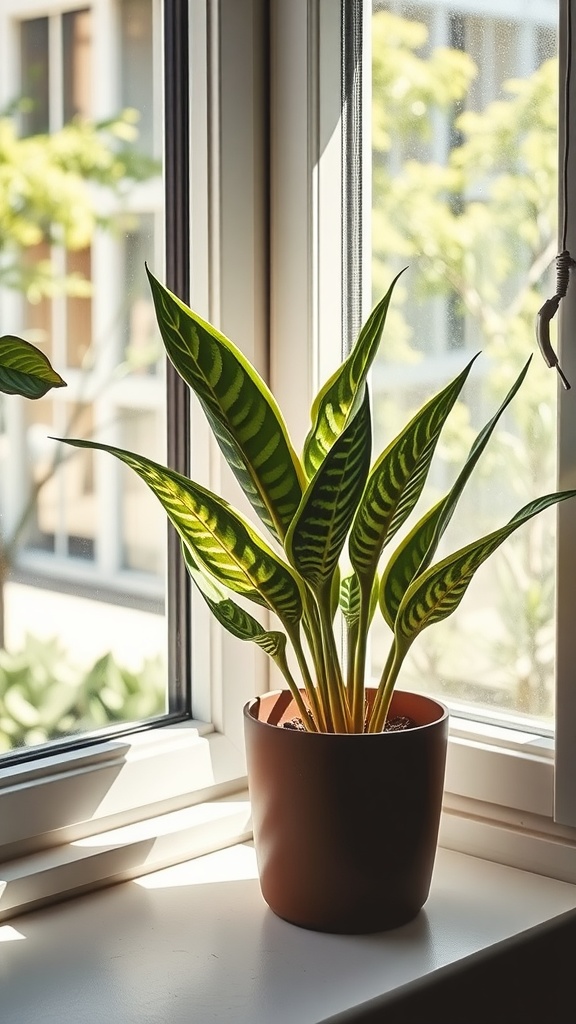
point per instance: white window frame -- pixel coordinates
(132, 803)
(506, 799)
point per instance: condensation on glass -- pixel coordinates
(83, 543)
(464, 177)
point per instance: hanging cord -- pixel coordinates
(564, 261)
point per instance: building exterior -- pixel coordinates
(90, 523)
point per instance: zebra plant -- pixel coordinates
(312, 507)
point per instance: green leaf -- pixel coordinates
(222, 540)
(24, 370)
(337, 400)
(396, 480)
(230, 615)
(437, 592)
(350, 599)
(419, 546)
(319, 529)
(240, 409)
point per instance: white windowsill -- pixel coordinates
(196, 942)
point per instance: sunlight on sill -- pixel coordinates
(189, 817)
(234, 864)
(10, 934)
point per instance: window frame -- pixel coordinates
(182, 780)
(565, 790)
(158, 793)
(500, 799)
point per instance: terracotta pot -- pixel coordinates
(345, 826)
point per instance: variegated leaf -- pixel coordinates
(319, 529)
(396, 480)
(240, 408)
(350, 599)
(438, 591)
(223, 541)
(418, 548)
(235, 619)
(24, 370)
(338, 400)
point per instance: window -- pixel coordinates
(502, 767)
(465, 116)
(91, 532)
(269, 232)
(498, 133)
(81, 542)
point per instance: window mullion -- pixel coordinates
(565, 790)
(177, 227)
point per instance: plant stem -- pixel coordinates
(315, 704)
(358, 691)
(336, 693)
(385, 688)
(314, 635)
(351, 642)
(282, 663)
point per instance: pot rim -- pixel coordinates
(442, 716)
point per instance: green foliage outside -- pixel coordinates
(49, 193)
(44, 696)
(479, 231)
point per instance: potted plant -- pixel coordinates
(345, 779)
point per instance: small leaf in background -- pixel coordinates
(24, 370)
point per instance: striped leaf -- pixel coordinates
(350, 599)
(419, 546)
(222, 540)
(230, 615)
(24, 370)
(320, 527)
(240, 409)
(437, 592)
(396, 480)
(338, 400)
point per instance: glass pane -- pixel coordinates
(34, 85)
(136, 85)
(78, 308)
(82, 622)
(464, 194)
(142, 525)
(76, 64)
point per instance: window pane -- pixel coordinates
(464, 194)
(136, 85)
(82, 599)
(34, 87)
(76, 64)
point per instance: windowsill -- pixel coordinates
(196, 942)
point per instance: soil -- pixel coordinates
(396, 724)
